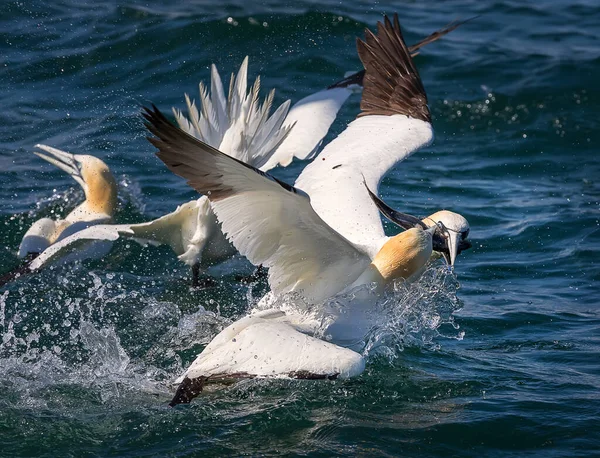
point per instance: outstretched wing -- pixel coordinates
(268, 221)
(311, 118)
(177, 229)
(87, 243)
(393, 123)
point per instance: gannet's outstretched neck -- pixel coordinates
(99, 206)
(320, 240)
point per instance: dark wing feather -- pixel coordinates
(392, 84)
(180, 152)
(357, 78)
(414, 49)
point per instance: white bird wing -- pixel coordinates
(268, 221)
(79, 241)
(311, 118)
(192, 231)
(186, 230)
(175, 229)
(393, 123)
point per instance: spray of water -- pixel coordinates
(109, 334)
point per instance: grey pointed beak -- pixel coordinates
(63, 160)
(452, 247)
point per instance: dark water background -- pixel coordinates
(503, 360)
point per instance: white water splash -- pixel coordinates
(412, 314)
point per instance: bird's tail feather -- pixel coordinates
(238, 125)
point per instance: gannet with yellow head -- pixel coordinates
(99, 187)
(316, 243)
(454, 228)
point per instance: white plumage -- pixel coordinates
(98, 207)
(311, 118)
(365, 150)
(267, 344)
(324, 239)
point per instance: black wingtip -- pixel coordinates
(451, 26)
(19, 271)
(392, 84)
(357, 78)
(188, 390)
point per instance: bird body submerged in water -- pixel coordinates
(318, 244)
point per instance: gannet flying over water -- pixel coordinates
(322, 237)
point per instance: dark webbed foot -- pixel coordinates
(18, 271)
(204, 282)
(191, 388)
(259, 273)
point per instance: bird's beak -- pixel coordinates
(403, 220)
(452, 241)
(63, 160)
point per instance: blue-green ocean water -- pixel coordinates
(502, 359)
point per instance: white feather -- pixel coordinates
(279, 229)
(311, 118)
(84, 244)
(366, 150)
(191, 231)
(268, 345)
(239, 125)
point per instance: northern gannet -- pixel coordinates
(319, 238)
(100, 190)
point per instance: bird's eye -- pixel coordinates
(465, 234)
(443, 229)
